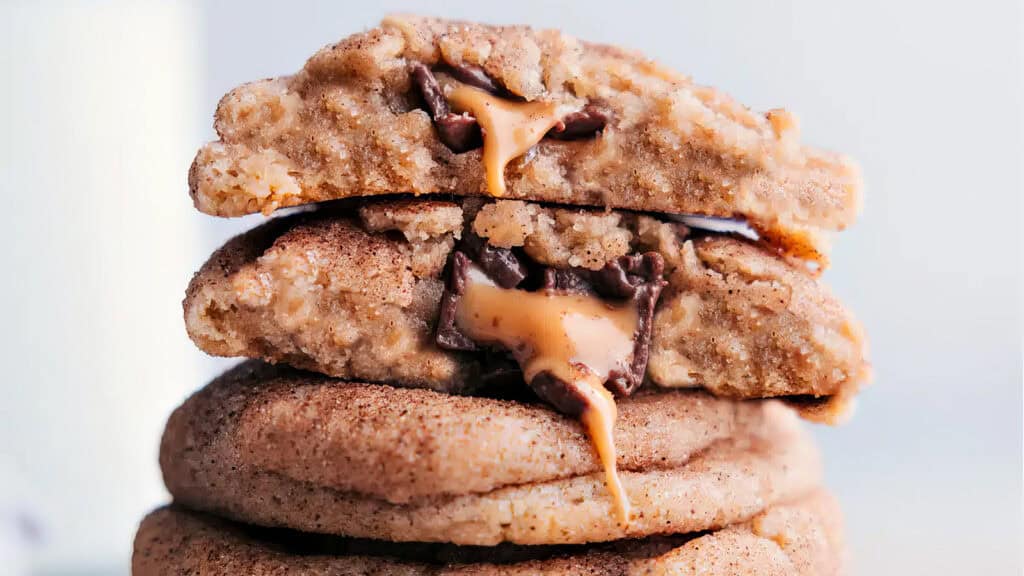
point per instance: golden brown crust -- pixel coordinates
(417, 220)
(735, 319)
(803, 538)
(560, 238)
(401, 444)
(275, 447)
(349, 124)
(321, 293)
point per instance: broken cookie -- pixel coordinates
(425, 105)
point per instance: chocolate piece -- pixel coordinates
(568, 281)
(500, 264)
(583, 124)
(459, 132)
(645, 296)
(430, 90)
(621, 277)
(448, 335)
(475, 76)
(564, 396)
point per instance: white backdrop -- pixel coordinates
(926, 96)
(98, 122)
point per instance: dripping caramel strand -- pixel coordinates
(578, 339)
(510, 128)
(599, 420)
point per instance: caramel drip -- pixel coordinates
(510, 128)
(599, 420)
(577, 339)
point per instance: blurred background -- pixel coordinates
(103, 105)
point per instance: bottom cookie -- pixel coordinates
(280, 448)
(800, 538)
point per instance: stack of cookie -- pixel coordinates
(548, 308)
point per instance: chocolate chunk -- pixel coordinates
(614, 280)
(448, 336)
(636, 276)
(645, 297)
(430, 90)
(459, 132)
(475, 76)
(566, 281)
(583, 124)
(621, 277)
(500, 264)
(564, 396)
(617, 279)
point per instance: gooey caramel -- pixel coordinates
(577, 339)
(510, 128)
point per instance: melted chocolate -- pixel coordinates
(500, 264)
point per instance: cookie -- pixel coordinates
(802, 538)
(275, 447)
(427, 105)
(356, 291)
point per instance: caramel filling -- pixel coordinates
(599, 420)
(578, 339)
(510, 128)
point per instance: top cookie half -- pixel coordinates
(427, 105)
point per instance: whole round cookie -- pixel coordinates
(800, 538)
(277, 447)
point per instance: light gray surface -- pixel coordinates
(98, 239)
(926, 96)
